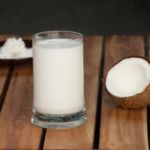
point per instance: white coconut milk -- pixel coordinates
(58, 76)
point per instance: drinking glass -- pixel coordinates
(58, 80)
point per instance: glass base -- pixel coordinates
(59, 121)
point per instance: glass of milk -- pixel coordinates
(58, 73)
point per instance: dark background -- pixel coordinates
(90, 17)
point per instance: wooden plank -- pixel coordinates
(27, 37)
(3, 37)
(82, 137)
(149, 47)
(122, 129)
(15, 128)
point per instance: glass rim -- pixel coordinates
(34, 36)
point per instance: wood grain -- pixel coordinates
(15, 128)
(82, 137)
(122, 129)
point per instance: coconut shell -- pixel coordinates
(133, 102)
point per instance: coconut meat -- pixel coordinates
(128, 77)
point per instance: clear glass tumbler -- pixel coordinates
(58, 79)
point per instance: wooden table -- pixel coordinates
(109, 127)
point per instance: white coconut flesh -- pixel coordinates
(128, 77)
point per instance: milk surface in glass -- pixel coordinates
(58, 76)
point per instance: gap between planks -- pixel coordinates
(98, 116)
(5, 75)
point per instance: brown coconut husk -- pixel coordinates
(133, 102)
(137, 101)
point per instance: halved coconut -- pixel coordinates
(128, 82)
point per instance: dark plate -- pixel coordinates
(18, 61)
